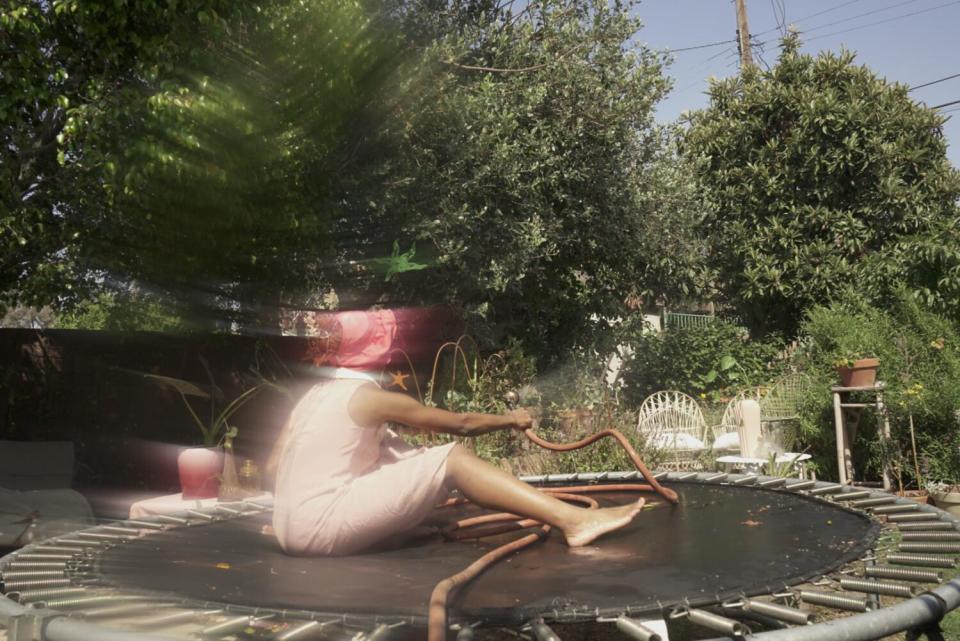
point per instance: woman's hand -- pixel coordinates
(521, 419)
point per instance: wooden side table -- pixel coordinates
(846, 417)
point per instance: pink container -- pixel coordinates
(200, 469)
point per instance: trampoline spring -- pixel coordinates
(920, 516)
(922, 560)
(200, 515)
(930, 547)
(629, 476)
(167, 620)
(172, 519)
(93, 600)
(877, 587)
(853, 496)
(827, 489)
(874, 501)
(716, 478)
(772, 482)
(635, 629)
(931, 536)
(102, 536)
(541, 632)
(298, 631)
(229, 626)
(147, 525)
(779, 612)
(932, 525)
(800, 485)
(717, 623)
(835, 601)
(746, 480)
(660, 475)
(113, 611)
(27, 596)
(37, 565)
(55, 548)
(898, 508)
(121, 530)
(44, 557)
(79, 543)
(12, 586)
(228, 510)
(904, 574)
(33, 574)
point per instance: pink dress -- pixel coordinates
(342, 487)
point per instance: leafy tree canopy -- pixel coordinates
(525, 164)
(69, 67)
(822, 174)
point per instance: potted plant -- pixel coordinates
(857, 370)
(945, 496)
(200, 468)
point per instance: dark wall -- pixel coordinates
(84, 387)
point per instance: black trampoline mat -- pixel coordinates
(721, 541)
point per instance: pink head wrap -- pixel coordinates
(366, 340)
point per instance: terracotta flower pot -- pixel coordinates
(200, 469)
(863, 373)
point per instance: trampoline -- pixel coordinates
(740, 555)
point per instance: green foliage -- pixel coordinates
(214, 421)
(919, 354)
(75, 68)
(820, 174)
(122, 312)
(707, 362)
(523, 170)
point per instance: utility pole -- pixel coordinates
(743, 34)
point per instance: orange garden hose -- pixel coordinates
(493, 524)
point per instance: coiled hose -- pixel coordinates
(492, 524)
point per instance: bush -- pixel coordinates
(707, 362)
(919, 354)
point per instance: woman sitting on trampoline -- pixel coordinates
(345, 482)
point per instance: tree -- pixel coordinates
(818, 172)
(526, 153)
(68, 69)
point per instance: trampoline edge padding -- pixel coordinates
(916, 613)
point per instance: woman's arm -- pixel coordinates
(371, 406)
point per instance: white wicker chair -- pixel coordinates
(726, 435)
(673, 422)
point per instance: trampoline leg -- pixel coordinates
(932, 632)
(542, 632)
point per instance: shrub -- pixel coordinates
(706, 362)
(919, 354)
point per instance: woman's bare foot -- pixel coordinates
(598, 522)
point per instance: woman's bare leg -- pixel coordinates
(491, 487)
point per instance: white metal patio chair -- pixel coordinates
(673, 422)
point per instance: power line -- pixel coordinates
(895, 5)
(933, 82)
(946, 104)
(807, 17)
(706, 46)
(873, 24)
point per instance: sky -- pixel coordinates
(909, 41)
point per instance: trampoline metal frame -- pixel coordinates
(36, 622)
